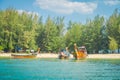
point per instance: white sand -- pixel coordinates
(104, 56)
(47, 55)
(5, 55)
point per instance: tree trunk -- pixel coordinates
(118, 48)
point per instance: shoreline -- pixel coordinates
(103, 56)
(53, 55)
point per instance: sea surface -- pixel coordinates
(56, 69)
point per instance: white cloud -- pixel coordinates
(66, 6)
(112, 2)
(28, 12)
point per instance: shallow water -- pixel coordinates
(55, 69)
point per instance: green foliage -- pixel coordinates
(28, 31)
(49, 38)
(1, 48)
(113, 27)
(113, 44)
(91, 34)
(73, 34)
(28, 51)
(15, 29)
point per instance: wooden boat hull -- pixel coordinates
(63, 57)
(23, 55)
(79, 55)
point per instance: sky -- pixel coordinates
(74, 10)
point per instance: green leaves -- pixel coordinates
(29, 31)
(73, 34)
(113, 27)
(16, 29)
(113, 44)
(49, 38)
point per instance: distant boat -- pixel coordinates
(23, 55)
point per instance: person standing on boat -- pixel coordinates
(66, 52)
(76, 50)
(38, 51)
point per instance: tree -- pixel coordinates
(113, 27)
(14, 27)
(73, 34)
(104, 40)
(91, 34)
(113, 44)
(23, 30)
(50, 36)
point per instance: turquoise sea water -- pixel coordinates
(55, 69)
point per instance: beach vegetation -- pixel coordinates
(30, 31)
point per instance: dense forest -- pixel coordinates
(28, 31)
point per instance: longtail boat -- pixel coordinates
(63, 57)
(23, 55)
(81, 53)
(64, 54)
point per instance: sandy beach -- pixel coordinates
(5, 55)
(53, 55)
(104, 56)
